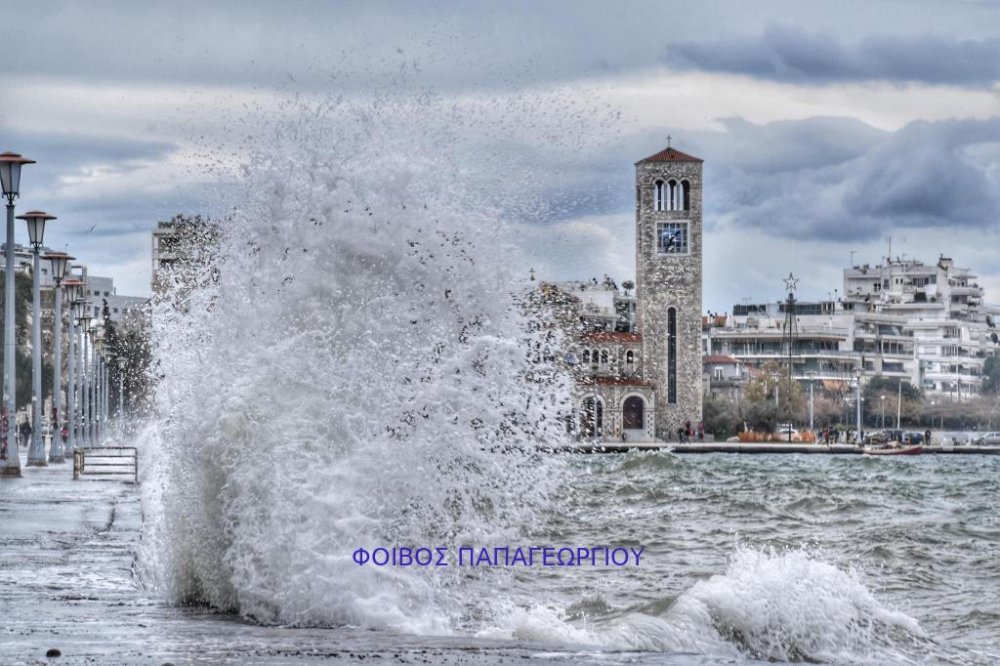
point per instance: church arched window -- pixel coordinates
(629, 357)
(685, 195)
(604, 356)
(659, 201)
(673, 195)
(672, 355)
(586, 356)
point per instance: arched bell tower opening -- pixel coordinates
(669, 284)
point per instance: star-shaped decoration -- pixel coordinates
(791, 282)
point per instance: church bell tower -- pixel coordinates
(668, 245)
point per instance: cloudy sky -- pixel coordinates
(829, 129)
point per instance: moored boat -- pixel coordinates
(893, 449)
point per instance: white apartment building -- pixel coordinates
(927, 324)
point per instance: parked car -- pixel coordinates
(988, 439)
(785, 429)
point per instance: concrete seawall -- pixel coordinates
(769, 447)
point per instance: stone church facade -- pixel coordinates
(638, 358)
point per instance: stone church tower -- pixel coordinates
(668, 243)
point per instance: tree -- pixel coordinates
(991, 376)
(628, 286)
(771, 397)
(130, 343)
(829, 408)
(720, 416)
(890, 389)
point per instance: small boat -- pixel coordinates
(893, 449)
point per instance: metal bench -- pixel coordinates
(106, 460)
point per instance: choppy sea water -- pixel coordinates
(815, 559)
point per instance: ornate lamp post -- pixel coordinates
(59, 261)
(109, 362)
(10, 178)
(75, 371)
(98, 382)
(83, 324)
(92, 388)
(36, 220)
(73, 289)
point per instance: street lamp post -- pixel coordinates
(899, 404)
(84, 395)
(812, 377)
(72, 288)
(10, 177)
(857, 397)
(98, 383)
(104, 393)
(59, 261)
(92, 388)
(121, 387)
(109, 361)
(76, 391)
(36, 220)
(882, 400)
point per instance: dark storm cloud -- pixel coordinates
(851, 181)
(791, 54)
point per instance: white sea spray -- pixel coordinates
(350, 372)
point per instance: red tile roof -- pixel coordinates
(670, 155)
(718, 358)
(609, 336)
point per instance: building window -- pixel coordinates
(672, 356)
(659, 196)
(586, 356)
(591, 418)
(629, 357)
(672, 237)
(720, 374)
(604, 357)
(633, 413)
(686, 195)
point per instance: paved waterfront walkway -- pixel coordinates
(66, 553)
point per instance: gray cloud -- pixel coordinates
(59, 155)
(791, 54)
(851, 181)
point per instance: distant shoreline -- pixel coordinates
(760, 448)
